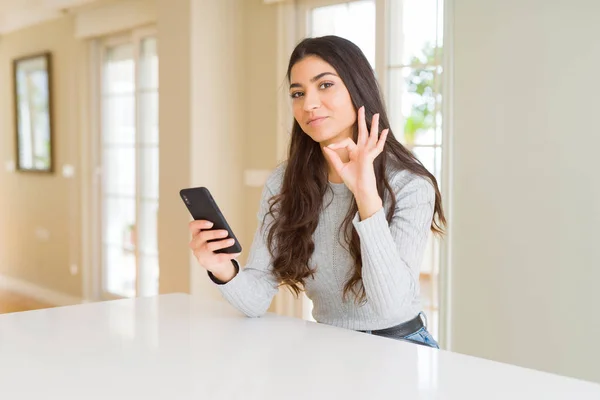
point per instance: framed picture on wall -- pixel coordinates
(32, 77)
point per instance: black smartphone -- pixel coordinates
(201, 205)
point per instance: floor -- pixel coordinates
(12, 302)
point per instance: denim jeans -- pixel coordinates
(422, 337)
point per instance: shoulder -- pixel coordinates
(408, 185)
(275, 179)
(272, 187)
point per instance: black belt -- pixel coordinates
(404, 329)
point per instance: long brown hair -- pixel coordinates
(297, 207)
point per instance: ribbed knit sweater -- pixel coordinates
(391, 257)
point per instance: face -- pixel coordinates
(320, 101)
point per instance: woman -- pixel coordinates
(347, 217)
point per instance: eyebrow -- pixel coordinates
(313, 79)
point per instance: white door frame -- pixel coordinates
(92, 221)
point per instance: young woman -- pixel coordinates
(347, 217)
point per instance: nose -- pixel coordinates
(312, 100)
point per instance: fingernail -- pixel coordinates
(209, 224)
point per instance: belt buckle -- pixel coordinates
(423, 319)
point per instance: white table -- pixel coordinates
(176, 347)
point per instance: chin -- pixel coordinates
(320, 136)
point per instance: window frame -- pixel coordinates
(96, 288)
(293, 24)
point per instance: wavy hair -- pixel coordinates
(296, 209)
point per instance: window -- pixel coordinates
(129, 165)
(354, 21)
(413, 74)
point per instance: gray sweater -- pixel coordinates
(391, 258)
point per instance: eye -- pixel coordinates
(325, 85)
(296, 95)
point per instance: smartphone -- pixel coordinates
(201, 205)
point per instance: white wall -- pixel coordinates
(40, 240)
(175, 141)
(526, 258)
(217, 116)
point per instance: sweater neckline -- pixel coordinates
(339, 188)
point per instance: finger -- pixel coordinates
(381, 141)
(334, 159)
(374, 134)
(213, 234)
(206, 235)
(221, 244)
(196, 242)
(347, 143)
(363, 131)
(196, 226)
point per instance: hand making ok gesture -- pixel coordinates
(358, 173)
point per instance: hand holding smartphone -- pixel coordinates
(213, 243)
(203, 207)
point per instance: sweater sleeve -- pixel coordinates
(252, 289)
(392, 253)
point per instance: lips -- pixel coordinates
(316, 121)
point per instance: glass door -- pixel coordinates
(129, 166)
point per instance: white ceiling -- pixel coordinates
(18, 14)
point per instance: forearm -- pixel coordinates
(368, 204)
(392, 251)
(388, 279)
(252, 288)
(250, 291)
